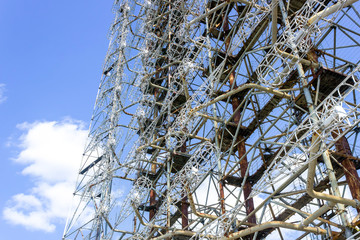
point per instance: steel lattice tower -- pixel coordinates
(225, 119)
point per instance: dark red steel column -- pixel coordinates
(184, 203)
(249, 202)
(352, 177)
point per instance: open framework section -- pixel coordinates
(217, 119)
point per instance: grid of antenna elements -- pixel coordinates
(224, 119)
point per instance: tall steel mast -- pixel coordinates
(225, 119)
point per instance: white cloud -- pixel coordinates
(2, 93)
(51, 153)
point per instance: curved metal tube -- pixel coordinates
(142, 221)
(330, 10)
(114, 229)
(275, 224)
(318, 213)
(193, 208)
(239, 89)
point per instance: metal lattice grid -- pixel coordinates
(224, 120)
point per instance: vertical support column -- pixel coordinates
(222, 196)
(222, 200)
(221, 182)
(184, 202)
(249, 202)
(184, 212)
(274, 16)
(351, 174)
(152, 197)
(168, 214)
(153, 165)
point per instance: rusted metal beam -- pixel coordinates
(247, 188)
(235, 102)
(351, 174)
(184, 202)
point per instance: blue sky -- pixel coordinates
(50, 67)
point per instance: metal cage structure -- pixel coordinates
(225, 119)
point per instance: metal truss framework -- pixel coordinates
(220, 119)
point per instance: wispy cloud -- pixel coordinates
(2, 93)
(51, 154)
